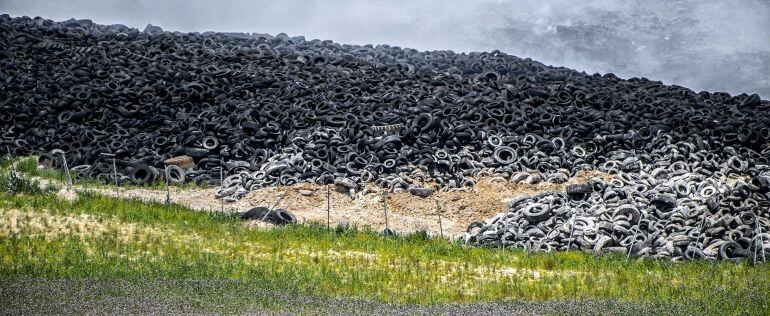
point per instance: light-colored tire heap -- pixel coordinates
(669, 203)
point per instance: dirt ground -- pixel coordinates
(405, 212)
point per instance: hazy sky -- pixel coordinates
(716, 45)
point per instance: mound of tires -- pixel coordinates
(650, 213)
(277, 110)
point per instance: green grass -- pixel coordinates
(103, 238)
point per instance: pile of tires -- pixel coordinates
(277, 110)
(675, 210)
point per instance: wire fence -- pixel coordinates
(78, 183)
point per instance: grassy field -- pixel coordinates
(103, 238)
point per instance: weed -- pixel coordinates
(13, 183)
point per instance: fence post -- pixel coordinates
(67, 169)
(633, 243)
(571, 231)
(760, 243)
(440, 225)
(168, 189)
(69, 175)
(385, 207)
(221, 188)
(328, 209)
(698, 243)
(115, 174)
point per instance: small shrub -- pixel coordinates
(418, 236)
(28, 166)
(5, 161)
(12, 183)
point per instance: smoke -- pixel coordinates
(714, 45)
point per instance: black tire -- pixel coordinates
(141, 174)
(283, 217)
(535, 213)
(276, 216)
(256, 213)
(475, 224)
(209, 143)
(629, 211)
(421, 192)
(175, 174)
(579, 191)
(663, 202)
(505, 155)
(731, 250)
(196, 152)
